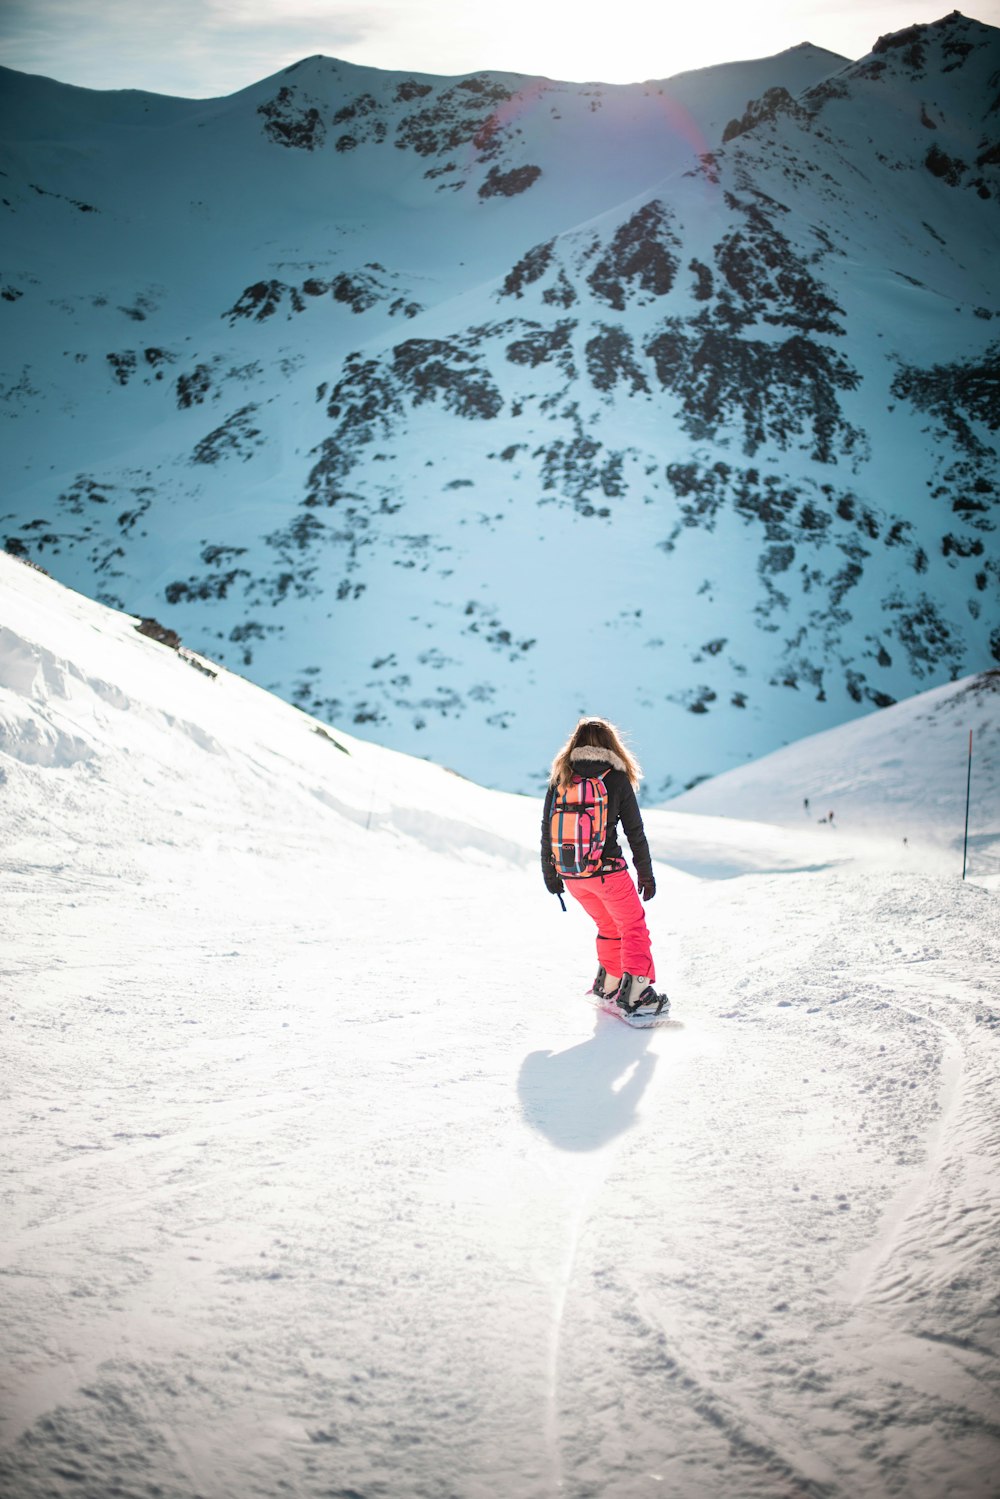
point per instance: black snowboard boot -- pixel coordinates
(604, 985)
(636, 996)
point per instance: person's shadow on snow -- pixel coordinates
(582, 1098)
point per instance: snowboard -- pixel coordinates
(637, 1022)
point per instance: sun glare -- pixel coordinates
(630, 40)
(585, 42)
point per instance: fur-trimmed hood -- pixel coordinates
(596, 756)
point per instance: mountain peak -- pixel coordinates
(381, 387)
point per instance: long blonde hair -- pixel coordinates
(596, 733)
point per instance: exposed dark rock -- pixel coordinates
(560, 293)
(776, 559)
(363, 403)
(773, 102)
(155, 631)
(485, 622)
(84, 492)
(212, 556)
(771, 281)
(530, 268)
(583, 470)
(794, 543)
(509, 184)
(408, 309)
(411, 89)
(540, 345)
(198, 663)
(704, 283)
(235, 438)
(143, 496)
(291, 123)
(364, 104)
(370, 394)
(123, 365)
(958, 546)
(485, 88)
(244, 634)
(44, 192)
(640, 257)
(611, 359)
(430, 368)
(700, 491)
(950, 168)
(922, 630)
(957, 394)
(776, 392)
(211, 588)
(453, 119)
(193, 388)
(262, 301)
(358, 291)
(696, 699)
(325, 734)
(910, 43)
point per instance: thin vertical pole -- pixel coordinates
(968, 788)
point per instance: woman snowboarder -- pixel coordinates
(591, 789)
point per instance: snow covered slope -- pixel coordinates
(450, 407)
(319, 1176)
(896, 774)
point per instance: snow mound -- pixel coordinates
(108, 696)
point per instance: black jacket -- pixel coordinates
(622, 807)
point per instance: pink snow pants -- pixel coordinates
(622, 935)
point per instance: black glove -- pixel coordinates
(553, 881)
(647, 886)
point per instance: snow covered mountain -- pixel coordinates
(321, 1177)
(449, 408)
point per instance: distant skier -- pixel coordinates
(830, 818)
(592, 789)
(805, 803)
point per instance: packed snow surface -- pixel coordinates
(320, 1177)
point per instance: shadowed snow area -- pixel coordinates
(321, 1177)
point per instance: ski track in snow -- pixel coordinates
(321, 1177)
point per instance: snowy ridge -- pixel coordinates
(331, 389)
(320, 1175)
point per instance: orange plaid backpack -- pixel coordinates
(578, 826)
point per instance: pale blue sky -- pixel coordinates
(204, 48)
